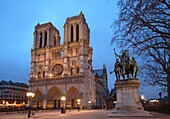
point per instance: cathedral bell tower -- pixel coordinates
(77, 42)
(46, 36)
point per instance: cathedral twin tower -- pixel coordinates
(62, 69)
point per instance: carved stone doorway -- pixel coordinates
(55, 104)
(72, 103)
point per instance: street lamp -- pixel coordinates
(30, 95)
(142, 100)
(89, 104)
(78, 104)
(142, 97)
(78, 101)
(63, 99)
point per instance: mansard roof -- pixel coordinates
(13, 83)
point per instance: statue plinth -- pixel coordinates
(128, 102)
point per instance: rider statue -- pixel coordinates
(123, 60)
(125, 66)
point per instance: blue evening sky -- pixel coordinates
(19, 17)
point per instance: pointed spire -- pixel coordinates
(81, 14)
(104, 68)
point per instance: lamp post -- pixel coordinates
(89, 104)
(78, 104)
(142, 97)
(142, 100)
(63, 99)
(30, 95)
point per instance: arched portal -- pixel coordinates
(38, 99)
(72, 96)
(53, 97)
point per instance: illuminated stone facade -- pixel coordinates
(101, 82)
(62, 69)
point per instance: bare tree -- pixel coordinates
(143, 26)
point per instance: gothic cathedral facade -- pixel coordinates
(62, 69)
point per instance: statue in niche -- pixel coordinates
(124, 66)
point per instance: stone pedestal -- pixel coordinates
(128, 102)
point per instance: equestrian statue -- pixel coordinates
(124, 67)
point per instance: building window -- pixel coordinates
(44, 55)
(77, 32)
(39, 56)
(40, 40)
(53, 54)
(54, 41)
(39, 74)
(71, 72)
(43, 73)
(71, 52)
(57, 54)
(77, 70)
(77, 51)
(45, 39)
(72, 33)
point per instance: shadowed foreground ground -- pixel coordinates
(74, 114)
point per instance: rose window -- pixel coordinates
(58, 69)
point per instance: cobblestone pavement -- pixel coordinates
(74, 114)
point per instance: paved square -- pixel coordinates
(74, 114)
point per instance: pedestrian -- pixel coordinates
(78, 108)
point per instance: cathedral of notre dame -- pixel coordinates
(63, 69)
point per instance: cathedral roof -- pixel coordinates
(48, 24)
(13, 83)
(81, 15)
(98, 72)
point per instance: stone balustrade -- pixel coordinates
(57, 81)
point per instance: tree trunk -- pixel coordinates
(168, 88)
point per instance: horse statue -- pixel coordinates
(125, 67)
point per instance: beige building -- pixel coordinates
(13, 94)
(62, 69)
